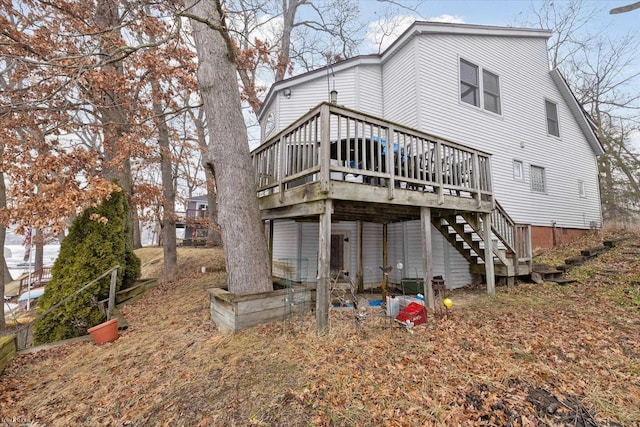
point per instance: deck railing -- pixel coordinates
(516, 237)
(335, 143)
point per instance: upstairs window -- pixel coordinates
(491, 90)
(552, 118)
(538, 180)
(469, 85)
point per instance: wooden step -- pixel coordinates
(562, 281)
(592, 252)
(576, 260)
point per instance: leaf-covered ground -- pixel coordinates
(534, 355)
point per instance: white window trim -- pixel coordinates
(520, 165)
(582, 189)
(544, 179)
(546, 118)
(481, 71)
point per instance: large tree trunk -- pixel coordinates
(245, 245)
(113, 115)
(168, 189)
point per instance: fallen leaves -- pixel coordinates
(533, 355)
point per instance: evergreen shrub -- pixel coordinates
(98, 240)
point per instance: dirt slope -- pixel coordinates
(534, 355)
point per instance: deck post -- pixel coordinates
(360, 257)
(325, 148)
(324, 273)
(282, 146)
(385, 259)
(439, 179)
(488, 254)
(391, 164)
(475, 181)
(427, 256)
(271, 228)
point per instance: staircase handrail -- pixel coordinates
(506, 230)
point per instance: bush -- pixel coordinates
(98, 240)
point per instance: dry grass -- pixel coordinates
(533, 355)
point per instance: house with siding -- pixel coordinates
(454, 152)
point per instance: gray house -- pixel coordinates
(452, 153)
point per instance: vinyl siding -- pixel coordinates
(307, 95)
(309, 232)
(395, 245)
(525, 82)
(399, 87)
(285, 248)
(368, 83)
(372, 253)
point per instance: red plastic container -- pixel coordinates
(414, 313)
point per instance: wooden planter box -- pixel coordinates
(232, 313)
(7, 350)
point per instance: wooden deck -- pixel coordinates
(336, 164)
(340, 154)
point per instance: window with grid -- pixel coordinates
(469, 84)
(538, 181)
(491, 90)
(552, 118)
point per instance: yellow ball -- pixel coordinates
(447, 302)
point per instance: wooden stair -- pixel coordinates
(464, 230)
(544, 273)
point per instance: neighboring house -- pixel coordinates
(473, 117)
(195, 223)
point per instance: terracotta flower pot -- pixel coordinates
(105, 332)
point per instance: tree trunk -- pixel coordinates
(168, 189)
(136, 234)
(38, 242)
(245, 245)
(113, 115)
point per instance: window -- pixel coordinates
(269, 125)
(518, 171)
(582, 192)
(469, 86)
(552, 118)
(538, 181)
(491, 90)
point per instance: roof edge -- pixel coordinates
(582, 118)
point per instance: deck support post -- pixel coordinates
(325, 148)
(385, 259)
(271, 228)
(488, 254)
(360, 257)
(427, 256)
(324, 273)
